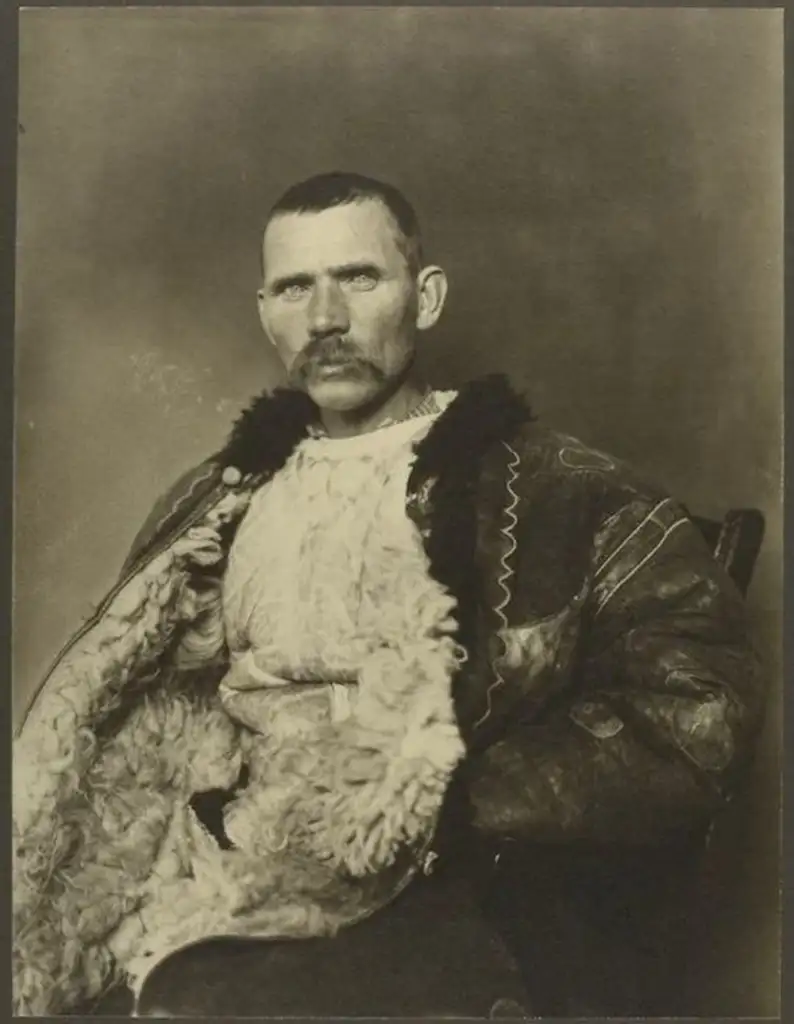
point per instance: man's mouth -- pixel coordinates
(336, 368)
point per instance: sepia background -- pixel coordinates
(604, 188)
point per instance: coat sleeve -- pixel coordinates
(667, 703)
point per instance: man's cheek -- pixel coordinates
(288, 346)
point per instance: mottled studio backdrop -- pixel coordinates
(604, 188)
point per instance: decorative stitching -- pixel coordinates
(508, 531)
(598, 460)
(180, 501)
(633, 534)
(636, 569)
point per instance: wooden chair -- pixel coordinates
(735, 542)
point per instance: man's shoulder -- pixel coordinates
(549, 459)
(546, 448)
(568, 489)
(174, 504)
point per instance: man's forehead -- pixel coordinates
(353, 230)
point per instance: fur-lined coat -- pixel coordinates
(584, 673)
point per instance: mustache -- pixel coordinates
(333, 348)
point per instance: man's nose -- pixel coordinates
(328, 312)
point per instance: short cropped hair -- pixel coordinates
(338, 188)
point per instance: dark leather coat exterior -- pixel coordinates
(611, 692)
(628, 693)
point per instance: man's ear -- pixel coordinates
(432, 287)
(260, 305)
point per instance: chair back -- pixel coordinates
(735, 542)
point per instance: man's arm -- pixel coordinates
(670, 700)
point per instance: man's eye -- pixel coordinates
(362, 281)
(294, 291)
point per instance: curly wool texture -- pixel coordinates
(324, 549)
(114, 869)
(124, 845)
(326, 579)
(320, 813)
(77, 838)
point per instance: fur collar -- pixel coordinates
(486, 411)
(267, 432)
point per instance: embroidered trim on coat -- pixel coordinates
(508, 531)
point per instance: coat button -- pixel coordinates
(232, 476)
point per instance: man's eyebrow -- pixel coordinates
(363, 267)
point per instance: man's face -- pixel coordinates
(339, 302)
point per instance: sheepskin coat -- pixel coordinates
(573, 665)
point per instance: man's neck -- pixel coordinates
(396, 406)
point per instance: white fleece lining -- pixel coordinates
(144, 878)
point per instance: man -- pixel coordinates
(384, 639)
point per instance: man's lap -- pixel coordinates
(430, 954)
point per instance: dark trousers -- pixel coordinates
(601, 932)
(430, 954)
(591, 933)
